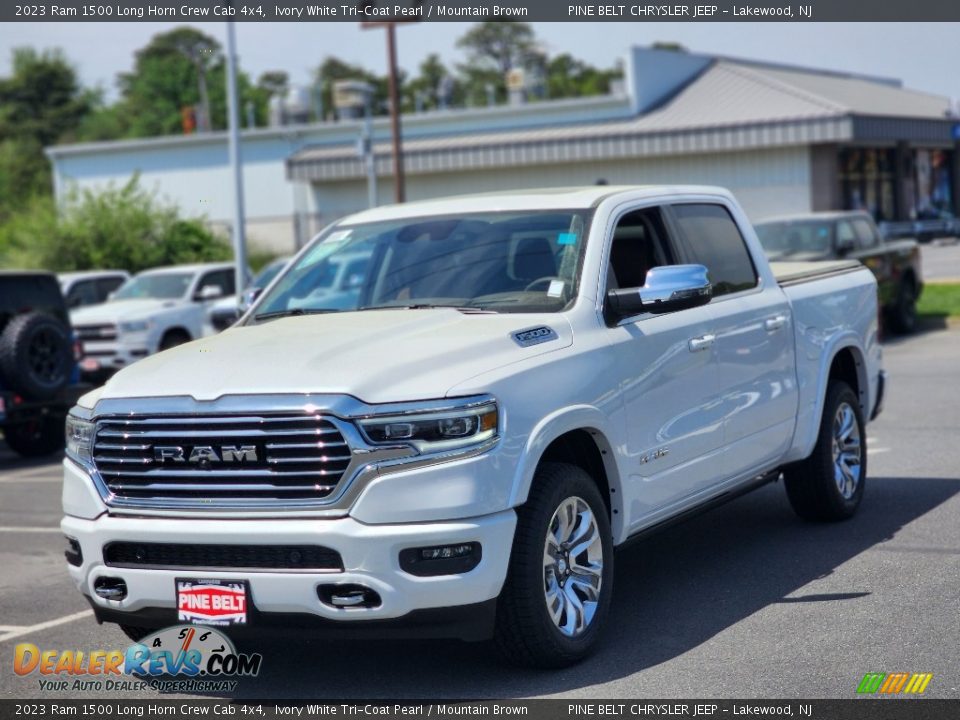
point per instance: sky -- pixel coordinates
(925, 56)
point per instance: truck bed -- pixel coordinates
(792, 273)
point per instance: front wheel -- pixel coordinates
(828, 485)
(559, 584)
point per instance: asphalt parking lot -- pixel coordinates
(746, 601)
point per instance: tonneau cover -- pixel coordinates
(788, 273)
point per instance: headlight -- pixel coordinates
(79, 438)
(434, 431)
(138, 326)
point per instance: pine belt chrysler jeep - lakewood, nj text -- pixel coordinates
(519, 383)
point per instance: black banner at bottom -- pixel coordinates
(852, 709)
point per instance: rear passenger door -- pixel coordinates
(753, 340)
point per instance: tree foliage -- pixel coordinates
(41, 102)
(125, 227)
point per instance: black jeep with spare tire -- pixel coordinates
(38, 367)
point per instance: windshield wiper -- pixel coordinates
(413, 306)
(293, 312)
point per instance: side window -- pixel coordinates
(845, 236)
(105, 286)
(223, 279)
(714, 241)
(639, 243)
(82, 293)
(866, 237)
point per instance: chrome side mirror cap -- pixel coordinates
(667, 288)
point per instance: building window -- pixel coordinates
(867, 181)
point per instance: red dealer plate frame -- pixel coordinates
(212, 601)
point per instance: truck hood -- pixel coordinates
(120, 311)
(377, 356)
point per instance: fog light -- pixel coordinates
(110, 588)
(441, 559)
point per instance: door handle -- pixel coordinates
(701, 343)
(775, 323)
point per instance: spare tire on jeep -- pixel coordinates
(35, 355)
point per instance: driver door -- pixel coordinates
(668, 380)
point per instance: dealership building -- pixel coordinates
(785, 139)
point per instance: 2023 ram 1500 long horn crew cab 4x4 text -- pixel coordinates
(522, 382)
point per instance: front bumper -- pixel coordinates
(370, 555)
(102, 358)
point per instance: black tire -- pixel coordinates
(36, 438)
(172, 338)
(136, 633)
(525, 631)
(813, 485)
(36, 355)
(903, 313)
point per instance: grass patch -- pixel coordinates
(939, 300)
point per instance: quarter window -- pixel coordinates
(714, 241)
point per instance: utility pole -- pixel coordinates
(399, 181)
(236, 162)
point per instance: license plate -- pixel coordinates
(211, 601)
(90, 364)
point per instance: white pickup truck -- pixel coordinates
(522, 382)
(155, 310)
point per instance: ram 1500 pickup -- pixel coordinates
(520, 383)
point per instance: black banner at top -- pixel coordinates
(373, 11)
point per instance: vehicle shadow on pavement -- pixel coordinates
(675, 590)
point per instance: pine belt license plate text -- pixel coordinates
(211, 601)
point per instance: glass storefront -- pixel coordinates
(868, 182)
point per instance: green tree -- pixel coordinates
(41, 103)
(567, 76)
(125, 227)
(432, 71)
(499, 46)
(182, 68)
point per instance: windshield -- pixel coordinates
(502, 262)
(796, 237)
(155, 286)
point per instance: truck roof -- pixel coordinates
(822, 215)
(561, 198)
(195, 267)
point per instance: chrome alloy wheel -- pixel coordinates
(572, 566)
(847, 451)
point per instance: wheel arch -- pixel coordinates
(580, 437)
(844, 360)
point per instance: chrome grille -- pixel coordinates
(199, 461)
(95, 333)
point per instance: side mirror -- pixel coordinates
(668, 288)
(247, 298)
(209, 292)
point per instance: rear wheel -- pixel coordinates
(559, 584)
(903, 313)
(828, 485)
(36, 438)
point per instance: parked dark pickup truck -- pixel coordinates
(38, 367)
(852, 235)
